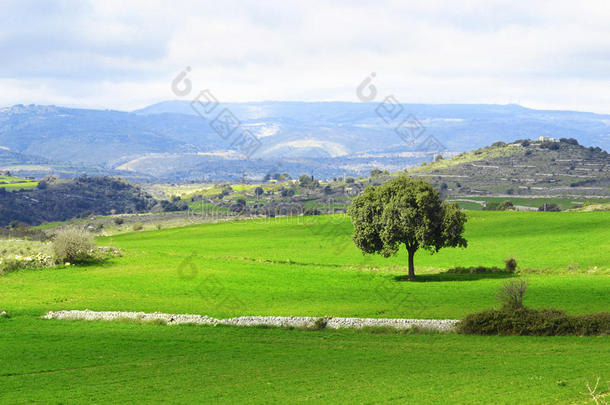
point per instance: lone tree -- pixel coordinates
(406, 211)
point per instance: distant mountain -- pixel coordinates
(358, 128)
(169, 141)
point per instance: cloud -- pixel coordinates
(117, 54)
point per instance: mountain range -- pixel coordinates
(181, 141)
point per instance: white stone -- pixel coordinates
(441, 325)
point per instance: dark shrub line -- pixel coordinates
(534, 322)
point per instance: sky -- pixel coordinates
(125, 54)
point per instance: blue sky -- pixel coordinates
(124, 54)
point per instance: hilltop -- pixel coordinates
(524, 167)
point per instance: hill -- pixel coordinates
(525, 168)
(67, 199)
(169, 141)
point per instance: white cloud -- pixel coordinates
(117, 54)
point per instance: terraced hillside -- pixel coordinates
(527, 168)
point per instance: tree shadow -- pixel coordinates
(449, 276)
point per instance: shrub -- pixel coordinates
(119, 221)
(73, 245)
(511, 264)
(549, 145)
(499, 206)
(570, 141)
(475, 270)
(506, 205)
(137, 226)
(319, 324)
(552, 207)
(511, 294)
(532, 322)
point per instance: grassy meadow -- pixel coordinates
(307, 266)
(76, 362)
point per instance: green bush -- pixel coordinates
(73, 245)
(499, 206)
(515, 319)
(506, 206)
(533, 322)
(550, 207)
(511, 264)
(475, 270)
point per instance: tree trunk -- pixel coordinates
(411, 265)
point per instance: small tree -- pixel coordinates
(258, 191)
(409, 212)
(511, 294)
(305, 180)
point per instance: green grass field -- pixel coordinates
(77, 362)
(307, 266)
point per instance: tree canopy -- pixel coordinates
(405, 211)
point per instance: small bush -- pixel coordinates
(475, 270)
(506, 205)
(73, 246)
(550, 207)
(137, 226)
(119, 221)
(499, 206)
(511, 294)
(320, 324)
(511, 264)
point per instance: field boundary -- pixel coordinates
(439, 325)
